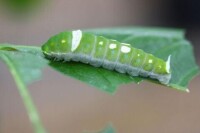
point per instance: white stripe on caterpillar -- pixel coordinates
(116, 61)
(76, 39)
(94, 46)
(105, 52)
(93, 50)
(168, 64)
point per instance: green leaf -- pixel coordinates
(98, 77)
(28, 61)
(159, 42)
(108, 129)
(25, 68)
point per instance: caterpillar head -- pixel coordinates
(58, 44)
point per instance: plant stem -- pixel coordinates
(26, 97)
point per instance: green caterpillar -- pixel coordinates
(110, 54)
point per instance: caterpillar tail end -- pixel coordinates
(168, 64)
(164, 79)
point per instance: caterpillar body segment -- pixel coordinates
(110, 54)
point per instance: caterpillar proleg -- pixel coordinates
(99, 51)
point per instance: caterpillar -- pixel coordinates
(99, 51)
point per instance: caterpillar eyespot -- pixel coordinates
(99, 51)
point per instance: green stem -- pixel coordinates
(26, 97)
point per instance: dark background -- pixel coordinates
(67, 105)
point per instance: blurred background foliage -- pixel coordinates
(21, 7)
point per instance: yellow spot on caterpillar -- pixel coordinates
(63, 41)
(138, 55)
(112, 46)
(125, 49)
(101, 43)
(150, 60)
